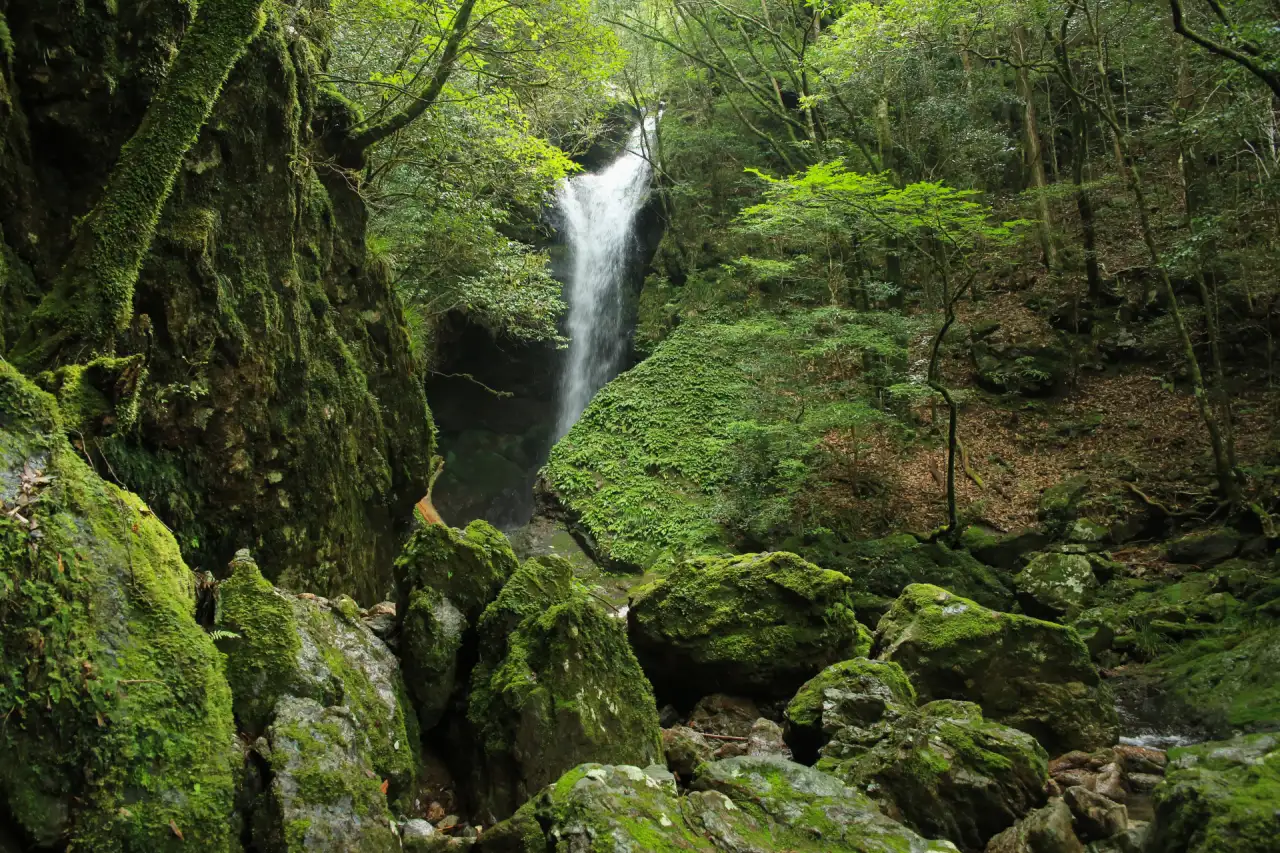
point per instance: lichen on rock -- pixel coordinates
(754, 625)
(1033, 675)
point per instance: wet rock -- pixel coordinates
(1096, 816)
(556, 684)
(324, 791)
(307, 647)
(740, 804)
(1046, 830)
(754, 625)
(1056, 586)
(1036, 676)
(444, 580)
(1131, 840)
(943, 770)
(668, 716)
(684, 749)
(858, 692)
(1219, 797)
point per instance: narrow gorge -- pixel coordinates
(750, 426)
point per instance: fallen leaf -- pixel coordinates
(386, 783)
(61, 569)
(176, 831)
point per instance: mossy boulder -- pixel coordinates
(1059, 505)
(740, 805)
(858, 692)
(881, 568)
(1056, 586)
(1046, 830)
(1224, 682)
(1033, 675)
(755, 625)
(1219, 797)
(944, 770)
(1205, 548)
(444, 580)
(306, 647)
(325, 796)
(560, 687)
(1002, 550)
(1008, 366)
(118, 717)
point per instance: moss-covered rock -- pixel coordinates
(741, 805)
(1033, 675)
(444, 580)
(944, 770)
(1059, 505)
(1002, 550)
(1226, 682)
(1205, 548)
(1056, 586)
(307, 647)
(283, 410)
(1046, 830)
(755, 625)
(881, 568)
(857, 692)
(325, 796)
(560, 687)
(118, 716)
(1220, 797)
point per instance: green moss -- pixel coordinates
(468, 567)
(759, 624)
(1033, 675)
(119, 716)
(705, 443)
(1219, 798)
(883, 679)
(262, 664)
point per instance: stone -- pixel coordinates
(766, 738)
(556, 684)
(444, 580)
(308, 647)
(755, 625)
(325, 796)
(1008, 366)
(1219, 797)
(719, 714)
(1033, 675)
(119, 716)
(944, 771)
(1205, 548)
(1045, 830)
(418, 836)
(740, 805)
(1096, 816)
(1059, 505)
(1002, 550)
(685, 749)
(858, 692)
(1056, 586)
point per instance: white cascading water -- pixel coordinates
(599, 212)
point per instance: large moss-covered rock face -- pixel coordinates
(740, 805)
(556, 684)
(302, 647)
(118, 717)
(282, 409)
(1219, 797)
(444, 580)
(944, 770)
(1033, 675)
(754, 625)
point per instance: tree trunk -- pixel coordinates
(1034, 154)
(92, 297)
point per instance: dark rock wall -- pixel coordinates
(283, 410)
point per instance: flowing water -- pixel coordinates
(599, 211)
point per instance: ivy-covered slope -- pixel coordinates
(278, 405)
(706, 444)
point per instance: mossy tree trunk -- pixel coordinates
(92, 297)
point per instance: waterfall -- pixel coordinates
(598, 211)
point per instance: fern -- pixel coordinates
(219, 634)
